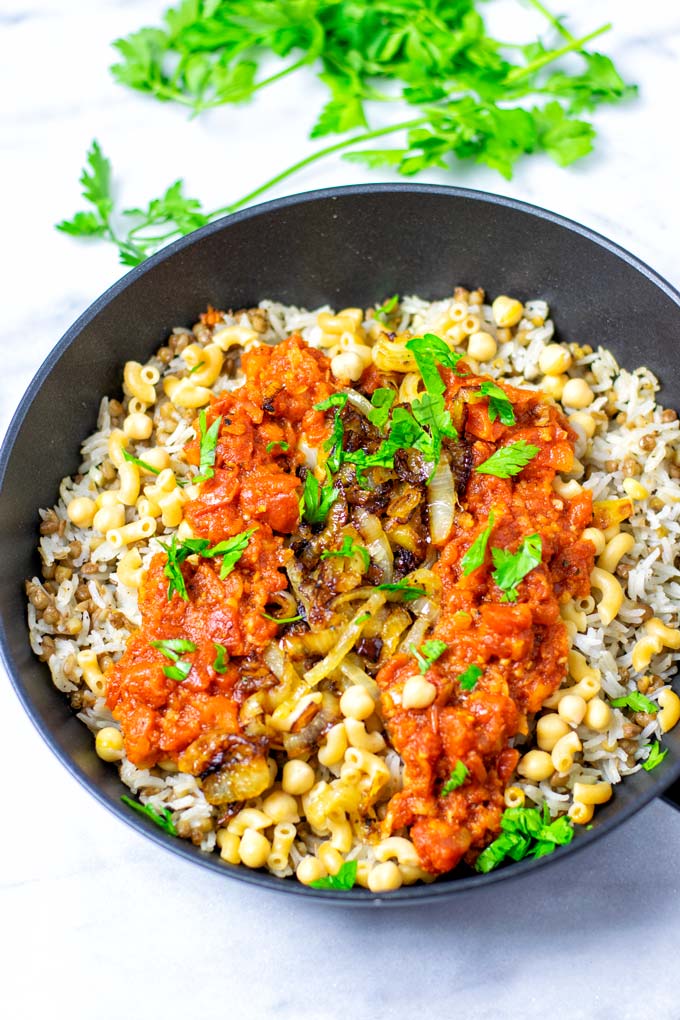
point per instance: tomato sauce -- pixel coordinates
(254, 485)
(520, 646)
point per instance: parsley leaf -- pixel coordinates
(475, 555)
(281, 619)
(179, 671)
(500, 405)
(511, 568)
(508, 460)
(317, 500)
(428, 653)
(220, 661)
(283, 446)
(525, 833)
(334, 445)
(349, 548)
(636, 702)
(382, 400)
(430, 351)
(335, 400)
(209, 437)
(173, 647)
(231, 551)
(172, 569)
(655, 756)
(344, 879)
(140, 463)
(468, 679)
(163, 821)
(408, 592)
(384, 310)
(459, 774)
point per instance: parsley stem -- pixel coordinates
(547, 58)
(367, 136)
(554, 21)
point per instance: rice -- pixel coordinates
(82, 604)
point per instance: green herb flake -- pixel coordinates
(140, 463)
(179, 671)
(174, 647)
(317, 500)
(511, 568)
(468, 679)
(526, 832)
(430, 351)
(173, 570)
(200, 365)
(344, 879)
(428, 653)
(231, 551)
(382, 400)
(281, 619)
(384, 310)
(459, 774)
(209, 437)
(335, 400)
(655, 756)
(500, 405)
(508, 460)
(475, 555)
(221, 658)
(362, 618)
(163, 821)
(347, 549)
(282, 445)
(408, 592)
(636, 702)
(334, 445)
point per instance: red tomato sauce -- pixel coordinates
(521, 646)
(251, 486)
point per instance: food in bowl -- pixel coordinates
(367, 596)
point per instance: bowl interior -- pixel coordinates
(351, 246)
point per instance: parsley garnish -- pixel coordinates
(428, 653)
(508, 460)
(317, 500)
(655, 756)
(525, 833)
(459, 774)
(334, 445)
(349, 548)
(140, 463)
(335, 400)
(220, 662)
(468, 679)
(382, 400)
(500, 405)
(474, 557)
(284, 447)
(408, 592)
(430, 351)
(196, 367)
(281, 619)
(163, 821)
(636, 702)
(383, 311)
(173, 648)
(512, 567)
(209, 437)
(172, 570)
(231, 550)
(179, 671)
(344, 879)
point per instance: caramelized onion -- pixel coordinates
(441, 498)
(379, 548)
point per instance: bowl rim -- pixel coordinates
(357, 896)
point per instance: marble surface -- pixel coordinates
(97, 921)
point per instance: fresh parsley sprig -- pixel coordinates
(636, 702)
(230, 550)
(476, 554)
(407, 592)
(526, 832)
(163, 821)
(459, 774)
(316, 500)
(221, 658)
(349, 548)
(343, 879)
(654, 757)
(381, 401)
(508, 461)
(208, 447)
(469, 677)
(386, 309)
(500, 405)
(428, 653)
(511, 568)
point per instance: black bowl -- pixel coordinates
(344, 246)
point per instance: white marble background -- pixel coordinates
(97, 922)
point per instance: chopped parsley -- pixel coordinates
(317, 500)
(500, 405)
(408, 592)
(344, 879)
(429, 352)
(163, 821)
(173, 648)
(508, 460)
(511, 568)
(428, 653)
(140, 463)
(335, 400)
(283, 446)
(381, 400)
(459, 774)
(231, 550)
(525, 833)
(474, 557)
(209, 437)
(349, 548)
(468, 679)
(636, 702)
(179, 671)
(281, 619)
(334, 445)
(220, 662)
(655, 756)
(196, 367)
(384, 310)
